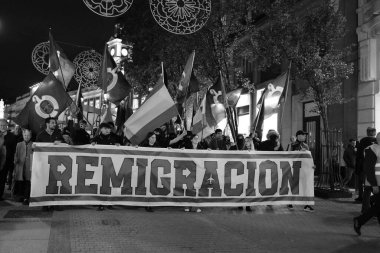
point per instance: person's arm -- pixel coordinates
(178, 138)
(3, 156)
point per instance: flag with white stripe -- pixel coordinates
(158, 109)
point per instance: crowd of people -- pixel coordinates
(16, 151)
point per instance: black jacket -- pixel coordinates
(362, 145)
(369, 163)
(109, 139)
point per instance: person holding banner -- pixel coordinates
(53, 135)
(272, 143)
(23, 162)
(193, 143)
(300, 145)
(105, 138)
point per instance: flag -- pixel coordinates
(185, 78)
(62, 68)
(156, 110)
(112, 80)
(49, 100)
(274, 90)
(200, 126)
(284, 94)
(107, 114)
(215, 103)
(233, 97)
(124, 111)
(78, 103)
(259, 120)
(194, 85)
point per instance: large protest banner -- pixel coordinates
(111, 175)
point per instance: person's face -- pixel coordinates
(293, 139)
(26, 135)
(17, 128)
(247, 143)
(3, 126)
(52, 124)
(353, 143)
(105, 130)
(195, 139)
(152, 139)
(219, 135)
(270, 87)
(163, 128)
(301, 137)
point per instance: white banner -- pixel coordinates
(111, 175)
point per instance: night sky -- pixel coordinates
(25, 23)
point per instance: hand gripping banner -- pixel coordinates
(111, 175)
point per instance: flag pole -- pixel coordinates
(60, 68)
(286, 91)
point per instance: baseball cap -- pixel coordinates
(106, 125)
(301, 132)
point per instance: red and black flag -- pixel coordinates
(112, 80)
(49, 100)
(62, 68)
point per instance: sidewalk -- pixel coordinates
(168, 229)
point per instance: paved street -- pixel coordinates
(128, 229)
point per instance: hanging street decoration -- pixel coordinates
(40, 57)
(87, 68)
(181, 16)
(108, 8)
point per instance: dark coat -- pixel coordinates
(109, 139)
(362, 145)
(369, 162)
(349, 157)
(269, 145)
(80, 137)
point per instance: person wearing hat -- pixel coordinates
(105, 137)
(300, 145)
(272, 143)
(364, 192)
(80, 135)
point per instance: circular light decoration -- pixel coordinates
(181, 16)
(87, 68)
(40, 57)
(108, 8)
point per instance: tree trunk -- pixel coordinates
(327, 173)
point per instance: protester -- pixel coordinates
(105, 137)
(349, 157)
(53, 135)
(364, 192)
(80, 135)
(248, 144)
(293, 139)
(10, 142)
(239, 143)
(272, 143)
(193, 143)
(255, 138)
(150, 142)
(300, 145)
(23, 164)
(18, 133)
(227, 142)
(371, 171)
(217, 143)
(66, 136)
